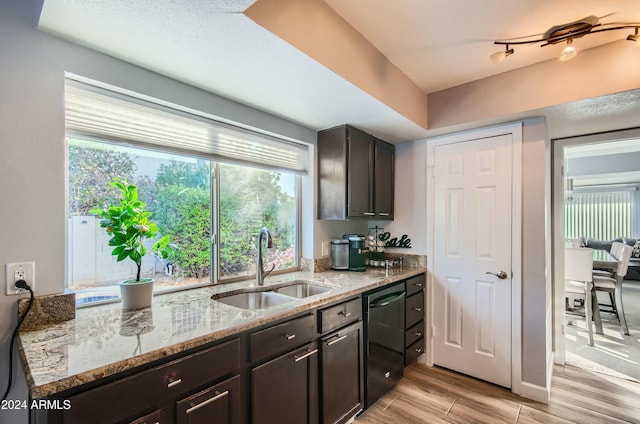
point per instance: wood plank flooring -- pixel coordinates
(436, 395)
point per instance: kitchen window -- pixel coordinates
(210, 186)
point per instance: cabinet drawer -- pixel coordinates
(134, 395)
(415, 284)
(282, 337)
(414, 333)
(152, 418)
(413, 351)
(415, 309)
(222, 401)
(339, 315)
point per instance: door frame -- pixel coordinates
(515, 130)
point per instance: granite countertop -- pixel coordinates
(104, 340)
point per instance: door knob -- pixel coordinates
(501, 275)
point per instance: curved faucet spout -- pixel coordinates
(260, 273)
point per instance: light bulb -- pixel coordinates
(569, 52)
(498, 57)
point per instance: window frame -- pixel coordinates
(214, 188)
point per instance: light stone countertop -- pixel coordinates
(104, 340)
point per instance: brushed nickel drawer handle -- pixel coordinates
(208, 401)
(174, 382)
(418, 334)
(418, 284)
(334, 341)
(418, 309)
(290, 336)
(345, 314)
(419, 350)
(368, 213)
(306, 355)
(384, 213)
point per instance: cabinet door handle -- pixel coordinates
(369, 213)
(306, 355)
(173, 382)
(417, 284)
(345, 314)
(208, 401)
(290, 336)
(419, 350)
(418, 334)
(418, 309)
(334, 341)
(384, 213)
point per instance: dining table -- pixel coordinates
(604, 260)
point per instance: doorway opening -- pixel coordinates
(596, 201)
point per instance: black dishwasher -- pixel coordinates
(384, 340)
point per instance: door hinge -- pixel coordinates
(434, 170)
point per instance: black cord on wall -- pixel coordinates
(21, 284)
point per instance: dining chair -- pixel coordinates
(578, 276)
(616, 246)
(613, 286)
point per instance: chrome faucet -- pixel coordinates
(260, 274)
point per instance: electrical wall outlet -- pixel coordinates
(325, 248)
(20, 271)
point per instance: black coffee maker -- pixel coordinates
(357, 251)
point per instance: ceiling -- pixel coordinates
(213, 45)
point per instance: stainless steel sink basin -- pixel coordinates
(254, 300)
(302, 289)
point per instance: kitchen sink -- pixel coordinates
(302, 289)
(254, 300)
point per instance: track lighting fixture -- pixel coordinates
(498, 57)
(567, 33)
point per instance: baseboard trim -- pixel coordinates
(535, 392)
(539, 393)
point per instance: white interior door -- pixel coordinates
(472, 238)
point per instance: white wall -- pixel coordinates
(410, 203)
(32, 149)
(536, 287)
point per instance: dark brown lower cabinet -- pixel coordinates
(221, 403)
(414, 319)
(285, 389)
(342, 374)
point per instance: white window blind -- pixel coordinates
(96, 113)
(599, 215)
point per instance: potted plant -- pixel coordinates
(129, 225)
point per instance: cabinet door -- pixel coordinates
(359, 174)
(342, 374)
(285, 389)
(383, 175)
(220, 403)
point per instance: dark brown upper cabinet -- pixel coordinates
(355, 175)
